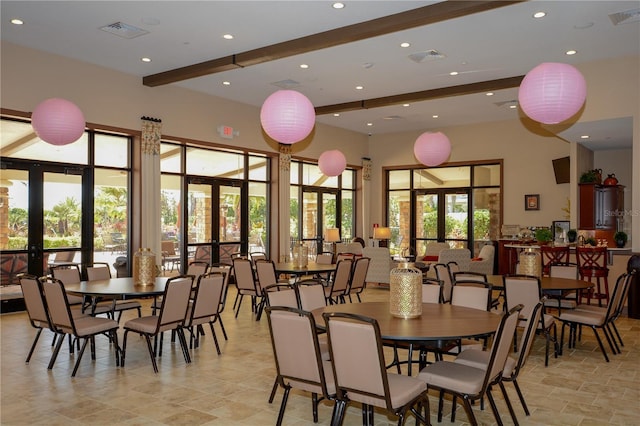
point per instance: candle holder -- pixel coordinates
(405, 291)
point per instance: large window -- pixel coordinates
(457, 204)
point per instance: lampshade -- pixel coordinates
(332, 163)
(287, 116)
(432, 149)
(552, 92)
(332, 235)
(381, 233)
(58, 121)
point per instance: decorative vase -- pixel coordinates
(611, 180)
(405, 291)
(620, 243)
(144, 267)
(530, 262)
(300, 256)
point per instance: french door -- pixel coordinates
(442, 215)
(320, 210)
(216, 212)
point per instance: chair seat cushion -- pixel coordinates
(146, 324)
(480, 359)
(402, 389)
(456, 377)
(123, 305)
(591, 308)
(583, 317)
(87, 326)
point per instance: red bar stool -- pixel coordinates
(592, 263)
(551, 255)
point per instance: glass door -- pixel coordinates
(442, 215)
(42, 218)
(319, 212)
(216, 217)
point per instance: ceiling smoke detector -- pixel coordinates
(626, 17)
(124, 30)
(428, 55)
(286, 84)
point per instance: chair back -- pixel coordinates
(168, 248)
(501, 346)
(431, 290)
(522, 290)
(65, 256)
(225, 270)
(443, 274)
(58, 305)
(628, 279)
(173, 310)
(245, 281)
(341, 277)
(202, 254)
(281, 295)
(618, 296)
(361, 374)
(324, 258)
(462, 256)
(472, 294)
(207, 298)
(255, 256)
(342, 256)
(469, 276)
(197, 268)
(552, 254)
(527, 338)
(266, 272)
(99, 271)
(34, 301)
(296, 351)
(591, 257)
(311, 294)
(563, 270)
(68, 274)
(359, 275)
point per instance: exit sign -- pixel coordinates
(227, 132)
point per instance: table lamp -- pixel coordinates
(382, 234)
(332, 235)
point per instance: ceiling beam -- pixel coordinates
(20, 143)
(426, 15)
(424, 95)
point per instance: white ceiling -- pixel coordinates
(504, 42)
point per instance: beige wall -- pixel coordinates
(114, 99)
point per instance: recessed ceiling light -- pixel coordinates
(453, 73)
(338, 5)
(405, 105)
(226, 83)
(489, 93)
(369, 124)
(584, 137)
(359, 87)
(435, 116)
(304, 66)
(539, 15)
(405, 44)
(513, 106)
(17, 21)
(336, 115)
(227, 37)
(571, 52)
(145, 59)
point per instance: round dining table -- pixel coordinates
(547, 283)
(117, 288)
(437, 322)
(312, 268)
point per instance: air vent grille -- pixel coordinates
(286, 84)
(428, 55)
(124, 30)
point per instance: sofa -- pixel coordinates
(461, 256)
(355, 248)
(380, 265)
(484, 262)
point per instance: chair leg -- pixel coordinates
(283, 405)
(55, 352)
(508, 402)
(595, 331)
(469, 411)
(314, 406)
(151, 353)
(33, 345)
(84, 346)
(215, 338)
(183, 345)
(239, 304)
(494, 408)
(224, 332)
(521, 397)
(273, 391)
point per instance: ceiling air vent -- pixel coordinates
(428, 55)
(124, 30)
(286, 84)
(626, 17)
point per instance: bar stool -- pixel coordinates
(592, 263)
(552, 255)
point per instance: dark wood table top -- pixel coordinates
(437, 322)
(310, 269)
(547, 283)
(117, 287)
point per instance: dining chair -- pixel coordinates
(592, 263)
(83, 328)
(246, 285)
(337, 289)
(311, 294)
(472, 294)
(361, 376)
(596, 320)
(36, 308)
(324, 258)
(296, 352)
(169, 255)
(443, 273)
(68, 274)
(225, 269)
(197, 268)
(171, 316)
(204, 308)
(431, 290)
(280, 295)
(257, 255)
(513, 364)
(101, 271)
(471, 383)
(480, 277)
(559, 299)
(358, 277)
(526, 290)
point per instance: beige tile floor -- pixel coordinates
(579, 388)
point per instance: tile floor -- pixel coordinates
(579, 388)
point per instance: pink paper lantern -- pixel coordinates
(332, 163)
(287, 116)
(552, 92)
(432, 149)
(58, 121)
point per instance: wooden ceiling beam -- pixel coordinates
(424, 95)
(426, 15)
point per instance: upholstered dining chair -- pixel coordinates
(358, 277)
(339, 285)
(297, 356)
(68, 274)
(431, 290)
(311, 294)
(361, 375)
(246, 285)
(559, 299)
(225, 269)
(204, 308)
(36, 307)
(471, 383)
(84, 327)
(197, 268)
(171, 316)
(443, 273)
(101, 271)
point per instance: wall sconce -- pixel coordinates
(382, 234)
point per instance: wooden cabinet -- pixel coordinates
(600, 206)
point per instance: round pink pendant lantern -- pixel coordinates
(287, 116)
(332, 163)
(552, 92)
(58, 121)
(432, 149)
